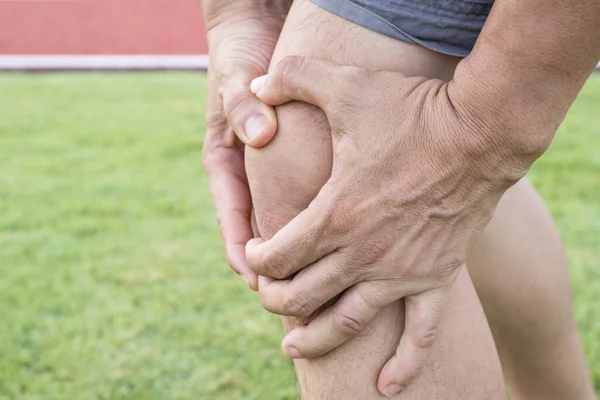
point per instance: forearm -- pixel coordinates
(529, 63)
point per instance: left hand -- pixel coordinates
(418, 169)
(241, 39)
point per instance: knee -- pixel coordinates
(287, 174)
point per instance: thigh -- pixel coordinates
(287, 174)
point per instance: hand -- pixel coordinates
(241, 41)
(417, 172)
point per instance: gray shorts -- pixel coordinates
(446, 26)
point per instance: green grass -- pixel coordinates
(113, 284)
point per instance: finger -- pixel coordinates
(253, 121)
(342, 321)
(297, 245)
(312, 288)
(313, 81)
(422, 318)
(224, 167)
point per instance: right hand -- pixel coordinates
(241, 38)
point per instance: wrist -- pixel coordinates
(217, 12)
(525, 71)
(517, 116)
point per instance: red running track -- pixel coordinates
(81, 30)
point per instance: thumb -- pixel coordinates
(312, 81)
(423, 313)
(253, 121)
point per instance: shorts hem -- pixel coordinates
(359, 15)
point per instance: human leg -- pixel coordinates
(520, 271)
(286, 175)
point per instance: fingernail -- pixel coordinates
(255, 125)
(392, 390)
(293, 352)
(258, 83)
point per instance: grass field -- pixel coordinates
(113, 284)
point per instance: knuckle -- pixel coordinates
(215, 118)
(290, 64)
(350, 83)
(425, 338)
(371, 252)
(354, 76)
(211, 160)
(296, 305)
(347, 324)
(230, 260)
(225, 71)
(235, 100)
(341, 220)
(449, 265)
(277, 265)
(413, 369)
(287, 73)
(265, 300)
(208, 158)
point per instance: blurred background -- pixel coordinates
(113, 282)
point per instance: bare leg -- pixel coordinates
(286, 175)
(520, 272)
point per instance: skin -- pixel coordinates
(287, 174)
(241, 41)
(520, 272)
(436, 177)
(221, 157)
